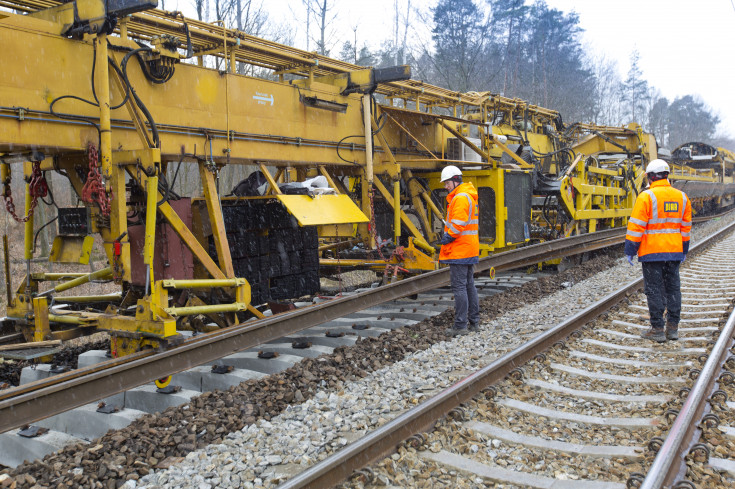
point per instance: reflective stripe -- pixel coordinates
(452, 228)
(467, 233)
(473, 221)
(668, 220)
(683, 207)
(458, 221)
(684, 235)
(662, 231)
(686, 223)
(654, 205)
(635, 233)
(637, 221)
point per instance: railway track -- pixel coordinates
(56, 394)
(87, 422)
(515, 335)
(601, 408)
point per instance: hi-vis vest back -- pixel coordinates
(659, 226)
(463, 217)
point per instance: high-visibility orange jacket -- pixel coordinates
(462, 227)
(659, 226)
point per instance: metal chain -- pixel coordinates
(94, 191)
(37, 187)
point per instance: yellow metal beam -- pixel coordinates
(270, 179)
(214, 209)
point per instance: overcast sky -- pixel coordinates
(685, 47)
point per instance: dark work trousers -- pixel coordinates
(466, 302)
(663, 291)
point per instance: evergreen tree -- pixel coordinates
(459, 36)
(635, 92)
(690, 120)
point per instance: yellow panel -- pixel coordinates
(322, 209)
(71, 249)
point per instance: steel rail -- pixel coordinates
(37, 400)
(383, 440)
(670, 458)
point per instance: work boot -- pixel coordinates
(656, 335)
(455, 332)
(672, 331)
(474, 327)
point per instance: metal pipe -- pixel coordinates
(103, 274)
(206, 283)
(51, 276)
(88, 298)
(341, 243)
(189, 311)
(432, 206)
(56, 318)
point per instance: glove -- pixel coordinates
(630, 259)
(446, 239)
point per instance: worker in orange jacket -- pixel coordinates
(461, 249)
(658, 232)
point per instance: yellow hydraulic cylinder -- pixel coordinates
(150, 227)
(423, 245)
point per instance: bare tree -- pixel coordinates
(324, 17)
(607, 107)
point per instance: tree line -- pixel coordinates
(516, 48)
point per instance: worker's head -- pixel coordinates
(657, 170)
(451, 177)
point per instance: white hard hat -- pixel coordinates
(657, 166)
(450, 172)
